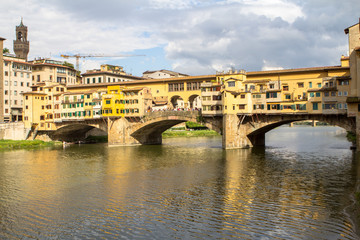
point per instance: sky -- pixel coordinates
(195, 37)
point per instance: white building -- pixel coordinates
(17, 79)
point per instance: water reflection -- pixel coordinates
(186, 188)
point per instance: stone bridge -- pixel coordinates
(238, 131)
(148, 129)
(241, 131)
(72, 130)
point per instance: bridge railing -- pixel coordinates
(178, 113)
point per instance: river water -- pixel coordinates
(298, 187)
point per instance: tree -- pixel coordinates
(67, 64)
(6, 50)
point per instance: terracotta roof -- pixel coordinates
(33, 93)
(51, 64)
(132, 89)
(111, 74)
(145, 81)
(346, 30)
(296, 70)
(257, 81)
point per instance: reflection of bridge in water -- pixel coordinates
(238, 131)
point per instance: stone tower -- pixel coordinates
(21, 44)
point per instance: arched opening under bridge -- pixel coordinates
(77, 132)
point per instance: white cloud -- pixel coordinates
(268, 65)
(272, 9)
(198, 36)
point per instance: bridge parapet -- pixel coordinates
(168, 114)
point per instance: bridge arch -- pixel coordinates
(177, 101)
(77, 132)
(256, 133)
(149, 129)
(194, 102)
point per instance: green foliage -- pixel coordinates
(357, 197)
(198, 133)
(6, 50)
(12, 144)
(351, 137)
(193, 125)
(67, 64)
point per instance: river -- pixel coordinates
(298, 187)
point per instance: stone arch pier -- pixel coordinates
(148, 129)
(242, 131)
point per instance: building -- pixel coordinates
(48, 70)
(126, 102)
(21, 44)
(107, 74)
(162, 74)
(1, 80)
(17, 79)
(42, 105)
(353, 99)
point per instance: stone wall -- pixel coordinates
(13, 131)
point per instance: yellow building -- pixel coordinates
(113, 102)
(138, 101)
(41, 105)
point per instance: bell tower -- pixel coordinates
(21, 44)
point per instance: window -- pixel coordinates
(231, 84)
(300, 85)
(333, 94)
(318, 94)
(108, 101)
(310, 84)
(300, 106)
(285, 88)
(345, 93)
(319, 85)
(15, 83)
(311, 94)
(315, 106)
(6, 73)
(271, 95)
(272, 86)
(339, 93)
(287, 96)
(15, 93)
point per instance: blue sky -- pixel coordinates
(195, 37)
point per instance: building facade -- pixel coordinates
(47, 70)
(107, 74)
(17, 79)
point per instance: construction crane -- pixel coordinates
(78, 56)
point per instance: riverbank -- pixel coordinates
(25, 144)
(185, 133)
